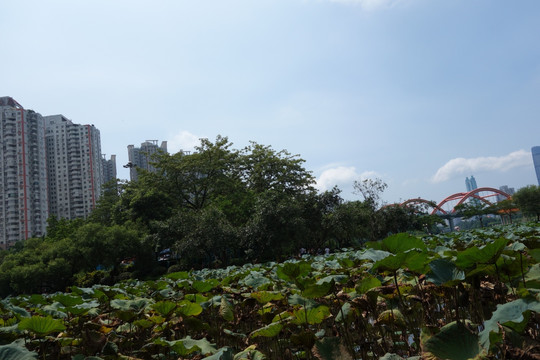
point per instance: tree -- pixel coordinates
(371, 190)
(471, 209)
(505, 208)
(528, 200)
(193, 181)
(265, 169)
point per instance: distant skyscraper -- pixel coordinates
(510, 191)
(23, 174)
(109, 168)
(141, 158)
(74, 167)
(536, 160)
(470, 184)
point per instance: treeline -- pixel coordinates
(215, 207)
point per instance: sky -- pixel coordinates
(418, 93)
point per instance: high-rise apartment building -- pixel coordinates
(75, 169)
(109, 168)
(141, 158)
(536, 160)
(23, 173)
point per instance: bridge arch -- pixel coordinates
(462, 197)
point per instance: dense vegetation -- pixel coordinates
(455, 296)
(216, 207)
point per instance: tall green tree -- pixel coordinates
(528, 200)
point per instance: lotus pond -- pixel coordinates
(455, 296)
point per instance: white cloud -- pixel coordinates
(342, 176)
(369, 4)
(184, 140)
(461, 166)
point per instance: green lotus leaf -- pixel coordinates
(178, 346)
(264, 297)
(516, 246)
(255, 280)
(16, 310)
(55, 310)
(344, 312)
(37, 299)
(205, 285)
(270, 330)
(180, 275)
(136, 305)
(225, 353)
(340, 279)
(402, 242)
(83, 308)
(68, 300)
(444, 272)
(454, 342)
(235, 334)
(204, 345)
(16, 351)
(416, 261)
(250, 353)
(291, 271)
(164, 308)
(391, 263)
(196, 298)
(311, 316)
(392, 317)
(509, 312)
(143, 323)
(226, 309)
(532, 277)
(296, 299)
(374, 255)
(282, 316)
(188, 308)
(535, 254)
(313, 291)
(488, 254)
(41, 325)
(367, 284)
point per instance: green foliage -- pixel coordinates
(528, 200)
(41, 325)
(16, 351)
(408, 301)
(454, 342)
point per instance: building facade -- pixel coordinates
(109, 168)
(505, 188)
(141, 158)
(75, 170)
(536, 160)
(470, 184)
(23, 173)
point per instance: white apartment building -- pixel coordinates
(23, 174)
(75, 167)
(141, 158)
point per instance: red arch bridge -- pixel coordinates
(447, 206)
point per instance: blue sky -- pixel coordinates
(420, 93)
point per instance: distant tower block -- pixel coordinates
(536, 160)
(141, 157)
(470, 184)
